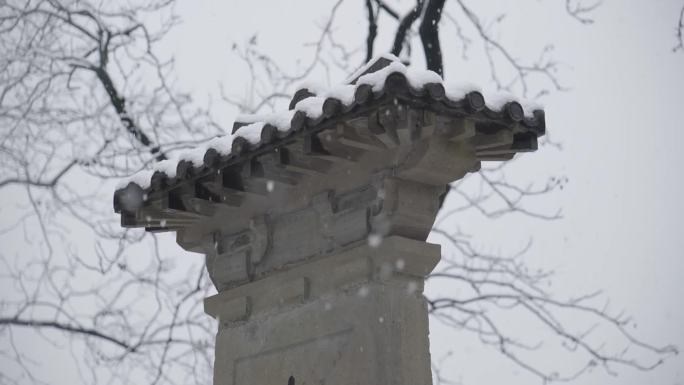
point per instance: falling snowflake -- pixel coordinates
(412, 287)
(400, 264)
(374, 240)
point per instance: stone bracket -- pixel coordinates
(331, 223)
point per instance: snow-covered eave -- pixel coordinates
(254, 131)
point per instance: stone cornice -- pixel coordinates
(373, 166)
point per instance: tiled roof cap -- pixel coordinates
(384, 80)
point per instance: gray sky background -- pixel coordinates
(620, 125)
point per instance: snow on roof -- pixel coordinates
(280, 120)
(252, 125)
(364, 68)
(417, 78)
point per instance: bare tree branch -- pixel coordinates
(484, 284)
(102, 40)
(372, 29)
(83, 100)
(383, 5)
(544, 67)
(579, 11)
(680, 32)
(65, 327)
(429, 35)
(40, 183)
(404, 26)
(119, 105)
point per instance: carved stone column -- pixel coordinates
(357, 317)
(313, 223)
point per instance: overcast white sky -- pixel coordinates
(623, 211)
(621, 130)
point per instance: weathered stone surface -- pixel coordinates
(358, 317)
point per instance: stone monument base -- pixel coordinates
(357, 317)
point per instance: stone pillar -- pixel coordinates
(355, 317)
(313, 224)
